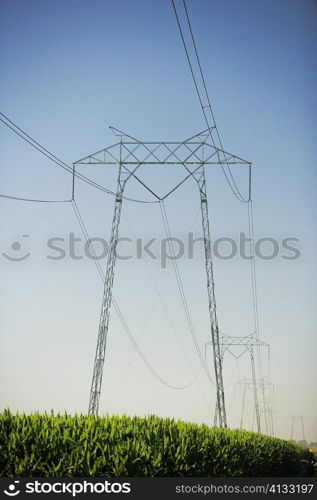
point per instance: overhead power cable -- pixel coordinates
(35, 144)
(118, 311)
(255, 303)
(232, 183)
(52, 157)
(181, 289)
(169, 318)
(32, 200)
(253, 270)
(255, 300)
(207, 96)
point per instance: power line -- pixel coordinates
(42, 150)
(168, 316)
(181, 288)
(35, 144)
(255, 300)
(118, 311)
(207, 94)
(132, 352)
(51, 156)
(253, 269)
(232, 184)
(254, 289)
(32, 200)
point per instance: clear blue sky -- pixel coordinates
(71, 68)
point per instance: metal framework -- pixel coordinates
(262, 385)
(129, 154)
(247, 343)
(300, 421)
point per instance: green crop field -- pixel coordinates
(76, 446)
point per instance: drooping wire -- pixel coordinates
(124, 369)
(181, 289)
(255, 303)
(168, 316)
(32, 200)
(232, 184)
(35, 144)
(118, 311)
(255, 294)
(207, 95)
(164, 306)
(144, 359)
(54, 159)
(253, 270)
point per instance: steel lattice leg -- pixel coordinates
(255, 392)
(221, 410)
(106, 303)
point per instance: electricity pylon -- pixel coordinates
(253, 385)
(300, 420)
(129, 154)
(237, 347)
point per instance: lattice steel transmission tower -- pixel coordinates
(237, 347)
(128, 154)
(259, 385)
(300, 421)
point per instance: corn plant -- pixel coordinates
(74, 446)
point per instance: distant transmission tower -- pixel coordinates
(128, 154)
(300, 421)
(237, 347)
(254, 386)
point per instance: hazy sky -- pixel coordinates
(69, 70)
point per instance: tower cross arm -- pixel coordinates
(195, 150)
